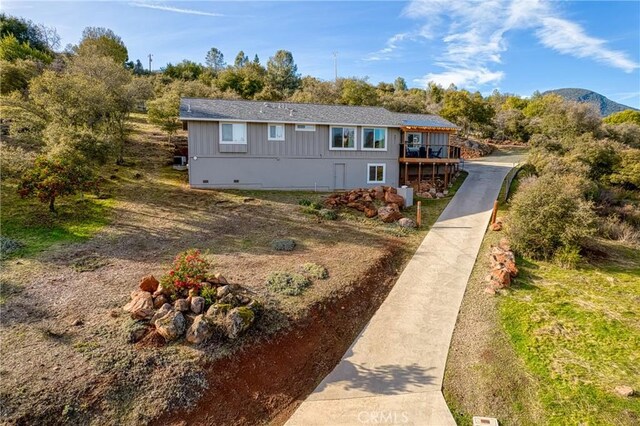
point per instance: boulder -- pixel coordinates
(164, 310)
(390, 189)
(148, 283)
(500, 278)
(496, 226)
(171, 326)
(394, 198)
(138, 333)
(199, 331)
(141, 306)
(439, 195)
(378, 193)
(159, 300)
(197, 304)
(223, 291)
(389, 214)
(625, 391)
(182, 305)
(405, 222)
(504, 244)
(510, 266)
(499, 220)
(237, 321)
(216, 311)
(220, 279)
(370, 212)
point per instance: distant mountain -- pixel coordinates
(605, 105)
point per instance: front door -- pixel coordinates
(339, 173)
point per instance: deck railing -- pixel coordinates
(429, 152)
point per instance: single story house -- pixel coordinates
(283, 145)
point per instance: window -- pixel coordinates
(343, 138)
(233, 133)
(305, 127)
(374, 139)
(276, 132)
(414, 139)
(375, 173)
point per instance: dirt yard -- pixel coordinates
(65, 352)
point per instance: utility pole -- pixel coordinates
(335, 64)
(150, 56)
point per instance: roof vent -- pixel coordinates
(188, 107)
(291, 113)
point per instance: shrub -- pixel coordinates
(283, 245)
(315, 206)
(548, 214)
(304, 202)
(614, 228)
(328, 214)
(286, 283)
(51, 178)
(210, 295)
(189, 270)
(15, 161)
(567, 257)
(8, 246)
(315, 271)
(627, 172)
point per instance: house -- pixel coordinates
(283, 145)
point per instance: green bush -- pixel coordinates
(189, 270)
(315, 206)
(209, 294)
(283, 245)
(328, 214)
(567, 257)
(315, 271)
(8, 246)
(287, 284)
(304, 202)
(548, 214)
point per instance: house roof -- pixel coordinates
(288, 112)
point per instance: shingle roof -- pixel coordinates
(288, 112)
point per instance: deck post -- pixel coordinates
(419, 175)
(433, 174)
(406, 173)
(446, 175)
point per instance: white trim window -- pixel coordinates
(305, 127)
(233, 133)
(275, 132)
(376, 173)
(374, 139)
(342, 138)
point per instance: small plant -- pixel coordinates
(315, 206)
(8, 246)
(315, 271)
(567, 257)
(287, 284)
(189, 271)
(328, 214)
(210, 295)
(304, 202)
(283, 245)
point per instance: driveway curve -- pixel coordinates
(393, 371)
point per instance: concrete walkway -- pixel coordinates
(393, 372)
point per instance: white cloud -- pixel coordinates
(474, 37)
(570, 39)
(174, 9)
(390, 46)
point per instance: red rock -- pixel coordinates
(159, 300)
(148, 283)
(496, 226)
(140, 306)
(501, 278)
(393, 198)
(370, 212)
(389, 214)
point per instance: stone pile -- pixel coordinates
(228, 310)
(497, 225)
(366, 200)
(503, 267)
(427, 189)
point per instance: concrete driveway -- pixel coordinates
(393, 372)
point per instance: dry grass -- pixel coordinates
(65, 357)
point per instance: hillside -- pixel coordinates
(605, 105)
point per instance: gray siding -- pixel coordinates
(302, 161)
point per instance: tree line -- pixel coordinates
(65, 112)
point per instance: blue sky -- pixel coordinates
(516, 46)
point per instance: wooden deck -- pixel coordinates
(414, 160)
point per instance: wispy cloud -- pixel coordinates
(157, 6)
(473, 35)
(390, 46)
